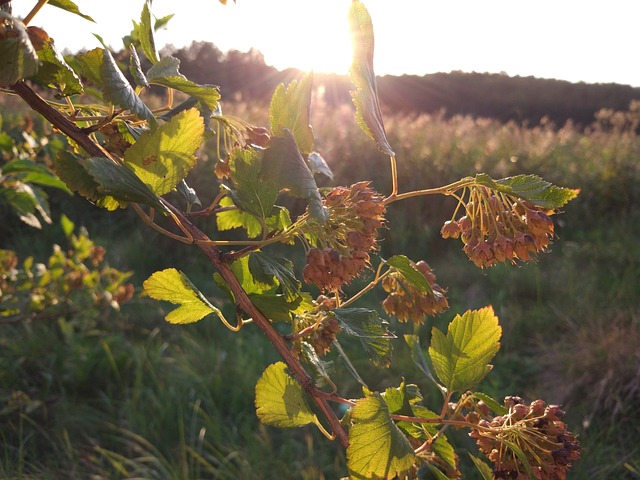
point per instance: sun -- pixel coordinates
(318, 41)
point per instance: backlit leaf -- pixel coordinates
(531, 188)
(289, 110)
(365, 96)
(277, 308)
(377, 448)
(410, 272)
(99, 67)
(267, 267)
(166, 73)
(173, 286)
(280, 401)
(461, 358)
(484, 469)
(55, 72)
(418, 357)
(135, 69)
(284, 166)
(18, 59)
(321, 369)
(71, 7)
(372, 331)
(31, 172)
(252, 192)
(145, 34)
(164, 157)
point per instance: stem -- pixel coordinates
(446, 190)
(371, 285)
(34, 11)
(394, 176)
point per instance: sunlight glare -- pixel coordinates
(324, 44)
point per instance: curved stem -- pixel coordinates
(446, 190)
(370, 286)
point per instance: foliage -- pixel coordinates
(385, 434)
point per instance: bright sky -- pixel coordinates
(594, 41)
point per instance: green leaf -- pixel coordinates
(252, 193)
(280, 401)
(531, 188)
(34, 173)
(317, 164)
(482, 467)
(266, 267)
(284, 166)
(161, 159)
(67, 225)
(173, 286)
(365, 96)
(437, 472)
(18, 59)
(54, 72)
(99, 67)
(410, 272)
(135, 69)
(71, 171)
(117, 181)
(377, 448)
(145, 34)
(321, 369)
(442, 448)
(289, 110)
(278, 309)
(461, 358)
(71, 7)
(166, 73)
(418, 357)
(491, 403)
(372, 331)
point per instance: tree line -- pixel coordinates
(526, 100)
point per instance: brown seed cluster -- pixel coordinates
(537, 430)
(325, 334)
(497, 228)
(343, 243)
(407, 302)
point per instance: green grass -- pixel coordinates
(134, 397)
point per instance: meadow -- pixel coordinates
(107, 394)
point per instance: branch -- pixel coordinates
(205, 245)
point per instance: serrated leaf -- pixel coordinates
(442, 448)
(18, 58)
(145, 34)
(161, 159)
(166, 73)
(117, 181)
(252, 192)
(277, 308)
(289, 110)
(99, 67)
(321, 369)
(71, 7)
(365, 96)
(482, 467)
(173, 286)
(75, 176)
(410, 272)
(237, 218)
(531, 188)
(284, 166)
(317, 164)
(55, 72)
(377, 448)
(266, 267)
(135, 69)
(461, 358)
(280, 401)
(372, 331)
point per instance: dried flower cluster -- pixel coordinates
(407, 302)
(343, 243)
(537, 430)
(498, 228)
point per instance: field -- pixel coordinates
(107, 394)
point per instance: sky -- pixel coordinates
(593, 41)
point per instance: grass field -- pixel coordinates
(125, 395)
